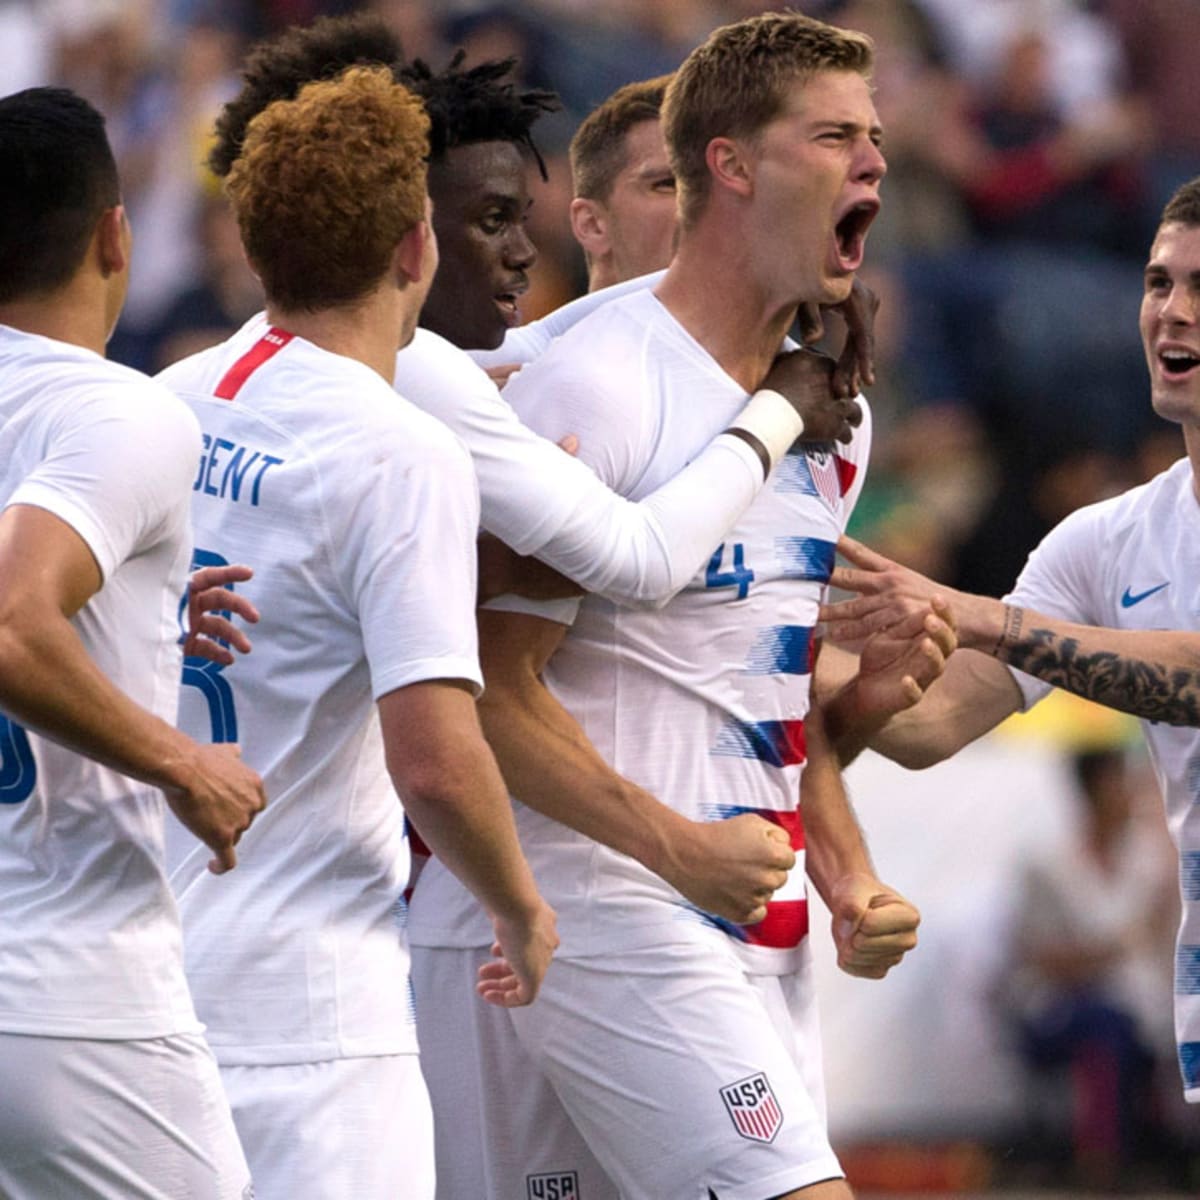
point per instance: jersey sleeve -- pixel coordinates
(527, 342)
(1060, 580)
(406, 546)
(119, 471)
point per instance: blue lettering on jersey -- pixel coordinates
(205, 675)
(740, 576)
(225, 468)
(18, 770)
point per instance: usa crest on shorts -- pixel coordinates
(752, 1106)
(552, 1185)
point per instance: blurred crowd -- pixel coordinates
(1031, 145)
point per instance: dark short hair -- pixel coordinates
(598, 148)
(1183, 208)
(277, 69)
(478, 104)
(57, 177)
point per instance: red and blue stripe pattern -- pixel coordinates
(786, 923)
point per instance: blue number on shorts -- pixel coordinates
(740, 577)
(18, 771)
(204, 675)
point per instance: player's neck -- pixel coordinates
(67, 315)
(369, 330)
(716, 299)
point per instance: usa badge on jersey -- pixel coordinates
(753, 1108)
(552, 1185)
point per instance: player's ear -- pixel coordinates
(589, 224)
(113, 241)
(410, 259)
(730, 165)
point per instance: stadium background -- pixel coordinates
(1031, 145)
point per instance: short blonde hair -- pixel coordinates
(328, 184)
(738, 81)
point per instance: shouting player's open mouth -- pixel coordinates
(850, 234)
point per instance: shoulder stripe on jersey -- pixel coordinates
(264, 349)
(777, 743)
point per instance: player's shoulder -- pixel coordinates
(75, 386)
(1153, 506)
(432, 372)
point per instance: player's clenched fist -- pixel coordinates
(218, 800)
(874, 927)
(730, 868)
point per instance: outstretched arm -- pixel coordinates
(730, 868)
(1153, 674)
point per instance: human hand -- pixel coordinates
(804, 378)
(874, 927)
(219, 801)
(521, 954)
(855, 367)
(731, 868)
(898, 664)
(889, 594)
(211, 604)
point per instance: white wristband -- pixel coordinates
(772, 419)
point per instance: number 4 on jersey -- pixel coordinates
(739, 577)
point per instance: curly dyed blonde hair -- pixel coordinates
(738, 81)
(328, 184)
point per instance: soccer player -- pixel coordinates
(109, 1088)
(533, 496)
(359, 513)
(675, 1054)
(1131, 563)
(623, 213)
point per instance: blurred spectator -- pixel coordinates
(1159, 44)
(1090, 954)
(223, 297)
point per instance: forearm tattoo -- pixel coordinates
(1150, 690)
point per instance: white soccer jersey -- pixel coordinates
(89, 940)
(359, 515)
(540, 500)
(703, 702)
(1133, 562)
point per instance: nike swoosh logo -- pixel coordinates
(1129, 599)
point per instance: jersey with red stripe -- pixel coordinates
(701, 702)
(358, 514)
